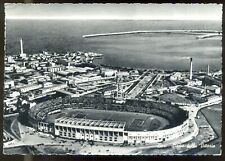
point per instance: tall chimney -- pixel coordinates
(21, 46)
(190, 68)
(208, 70)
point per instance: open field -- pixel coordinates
(17, 150)
(213, 114)
(134, 121)
(214, 117)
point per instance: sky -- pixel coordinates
(115, 11)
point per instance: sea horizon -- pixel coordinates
(139, 51)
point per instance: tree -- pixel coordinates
(19, 103)
(23, 113)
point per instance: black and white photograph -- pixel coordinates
(112, 79)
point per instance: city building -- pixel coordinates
(53, 69)
(9, 83)
(53, 88)
(176, 76)
(191, 89)
(29, 87)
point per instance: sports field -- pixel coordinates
(134, 121)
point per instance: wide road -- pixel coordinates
(148, 80)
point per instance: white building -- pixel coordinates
(11, 108)
(215, 89)
(122, 73)
(54, 69)
(9, 84)
(109, 72)
(20, 69)
(194, 82)
(14, 94)
(10, 101)
(83, 79)
(54, 88)
(47, 84)
(9, 69)
(176, 76)
(30, 87)
(10, 59)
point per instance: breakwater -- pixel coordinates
(198, 32)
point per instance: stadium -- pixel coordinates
(100, 119)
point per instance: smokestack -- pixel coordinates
(21, 46)
(208, 70)
(190, 68)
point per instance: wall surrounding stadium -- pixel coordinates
(110, 131)
(148, 137)
(107, 131)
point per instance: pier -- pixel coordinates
(191, 32)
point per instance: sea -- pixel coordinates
(162, 51)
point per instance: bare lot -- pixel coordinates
(173, 97)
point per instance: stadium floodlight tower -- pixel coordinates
(190, 68)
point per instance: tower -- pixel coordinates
(22, 54)
(21, 46)
(190, 68)
(208, 70)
